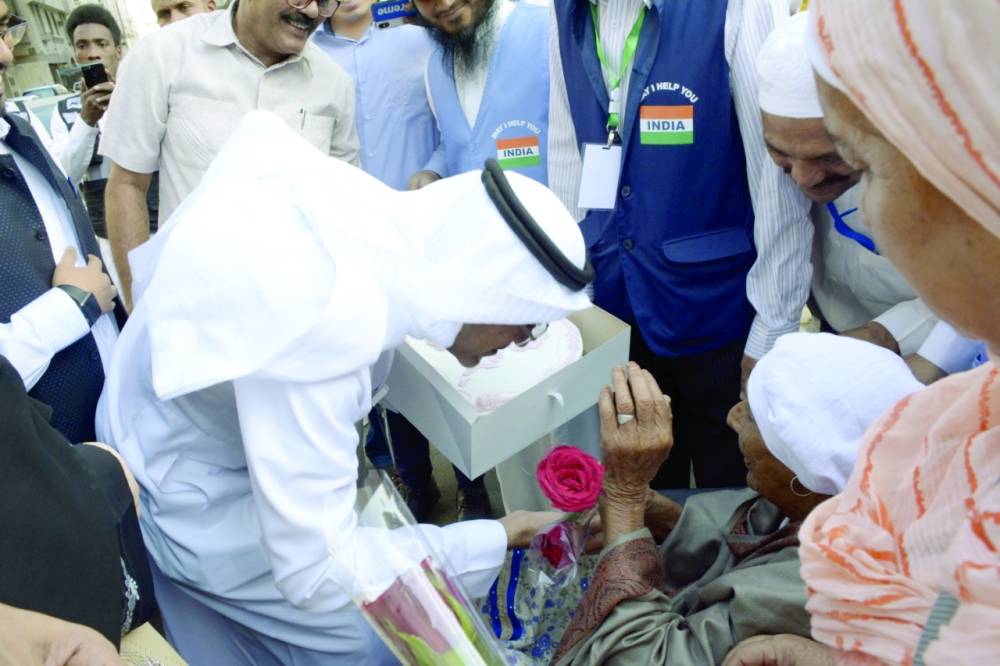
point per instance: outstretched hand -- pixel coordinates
(636, 432)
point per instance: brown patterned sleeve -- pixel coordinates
(625, 572)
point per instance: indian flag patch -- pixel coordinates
(519, 152)
(666, 125)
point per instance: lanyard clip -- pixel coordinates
(612, 137)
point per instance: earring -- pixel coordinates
(791, 486)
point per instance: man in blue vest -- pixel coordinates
(488, 84)
(697, 239)
(55, 326)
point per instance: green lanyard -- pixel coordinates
(615, 79)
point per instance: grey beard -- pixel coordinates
(471, 48)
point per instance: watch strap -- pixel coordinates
(84, 300)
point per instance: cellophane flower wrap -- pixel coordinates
(572, 480)
(404, 588)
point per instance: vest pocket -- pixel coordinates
(704, 285)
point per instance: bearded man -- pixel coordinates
(476, 38)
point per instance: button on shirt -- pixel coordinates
(183, 89)
(53, 321)
(395, 124)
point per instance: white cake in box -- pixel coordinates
(511, 371)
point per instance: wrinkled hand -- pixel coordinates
(89, 278)
(875, 333)
(522, 526)
(33, 639)
(421, 179)
(94, 101)
(633, 451)
(780, 650)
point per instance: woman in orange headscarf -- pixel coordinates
(903, 566)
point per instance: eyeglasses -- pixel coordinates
(536, 331)
(326, 7)
(13, 31)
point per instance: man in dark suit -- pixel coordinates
(55, 326)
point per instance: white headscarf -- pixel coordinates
(289, 263)
(785, 81)
(925, 74)
(814, 395)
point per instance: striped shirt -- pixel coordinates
(778, 282)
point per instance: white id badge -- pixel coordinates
(602, 169)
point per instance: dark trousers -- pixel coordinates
(413, 454)
(702, 389)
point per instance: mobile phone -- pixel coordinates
(94, 74)
(390, 13)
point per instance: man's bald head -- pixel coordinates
(171, 11)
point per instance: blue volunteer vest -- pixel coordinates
(673, 255)
(513, 119)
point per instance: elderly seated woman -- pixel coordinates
(903, 566)
(728, 567)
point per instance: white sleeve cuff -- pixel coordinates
(948, 350)
(762, 338)
(39, 330)
(909, 322)
(476, 550)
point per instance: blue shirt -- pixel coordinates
(395, 124)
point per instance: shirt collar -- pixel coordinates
(220, 33)
(4, 129)
(220, 30)
(327, 31)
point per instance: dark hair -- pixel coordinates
(93, 14)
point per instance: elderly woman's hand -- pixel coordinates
(636, 437)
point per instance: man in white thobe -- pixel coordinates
(236, 384)
(857, 291)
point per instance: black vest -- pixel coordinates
(73, 381)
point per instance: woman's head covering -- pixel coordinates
(814, 395)
(926, 75)
(291, 263)
(785, 81)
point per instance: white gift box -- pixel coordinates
(476, 442)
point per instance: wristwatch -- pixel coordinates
(86, 301)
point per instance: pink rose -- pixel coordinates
(570, 478)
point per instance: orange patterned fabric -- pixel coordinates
(920, 515)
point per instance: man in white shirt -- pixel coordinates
(699, 242)
(76, 122)
(235, 405)
(55, 323)
(171, 11)
(856, 291)
(182, 91)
